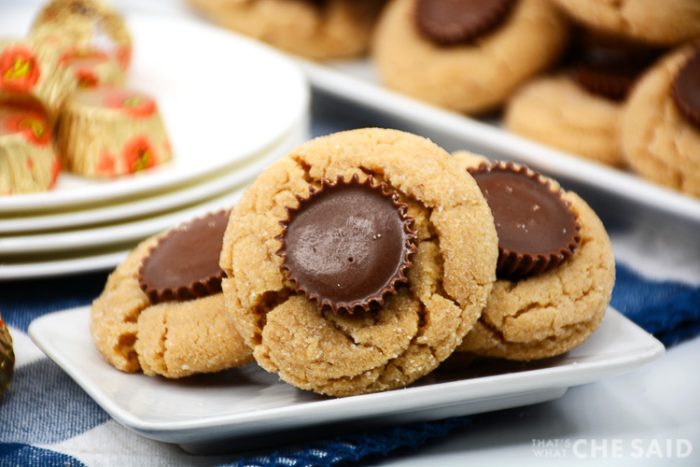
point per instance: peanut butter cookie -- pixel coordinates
(162, 310)
(316, 29)
(667, 23)
(466, 55)
(660, 124)
(558, 112)
(358, 262)
(539, 309)
(578, 109)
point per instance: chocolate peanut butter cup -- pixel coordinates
(348, 245)
(537, 229)
(609, 67)
(450, 22)
(184, 265)
(686, 89)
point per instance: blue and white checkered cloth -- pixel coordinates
(46, 419)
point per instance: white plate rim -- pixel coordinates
(162, 178)
(114, 234)
(111, 234)
(164, 201)
(62, 267)
(584, 372)
(558, 163)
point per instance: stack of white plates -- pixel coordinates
(231, 108)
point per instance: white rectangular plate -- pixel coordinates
(227, 409)
(356, 81)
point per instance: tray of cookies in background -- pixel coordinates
(349, 284)
(602, 95)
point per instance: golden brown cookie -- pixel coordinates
(558, 112)
(336, 352)
(667, 23)
(548, 313)
(169, 331)
(659, 141)
(318, 30)
(578, 109)
(475, 75)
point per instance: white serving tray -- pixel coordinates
(245, 408)
(622, 192)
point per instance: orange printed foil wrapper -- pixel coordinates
(92, 67)
(84, 25)
(109, 132)
(28, 163)
(29, 71)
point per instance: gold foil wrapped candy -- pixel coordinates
(92, 67)
(30, 71)
(108, 132)
(7, 358)
(28, 162)
(84, 25)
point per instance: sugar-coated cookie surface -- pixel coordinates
(549, 313)
(342, 354)
(669, 22)
(172, 339)
(317, 30)
(472, 77)
(658, 142)
(558, 112)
